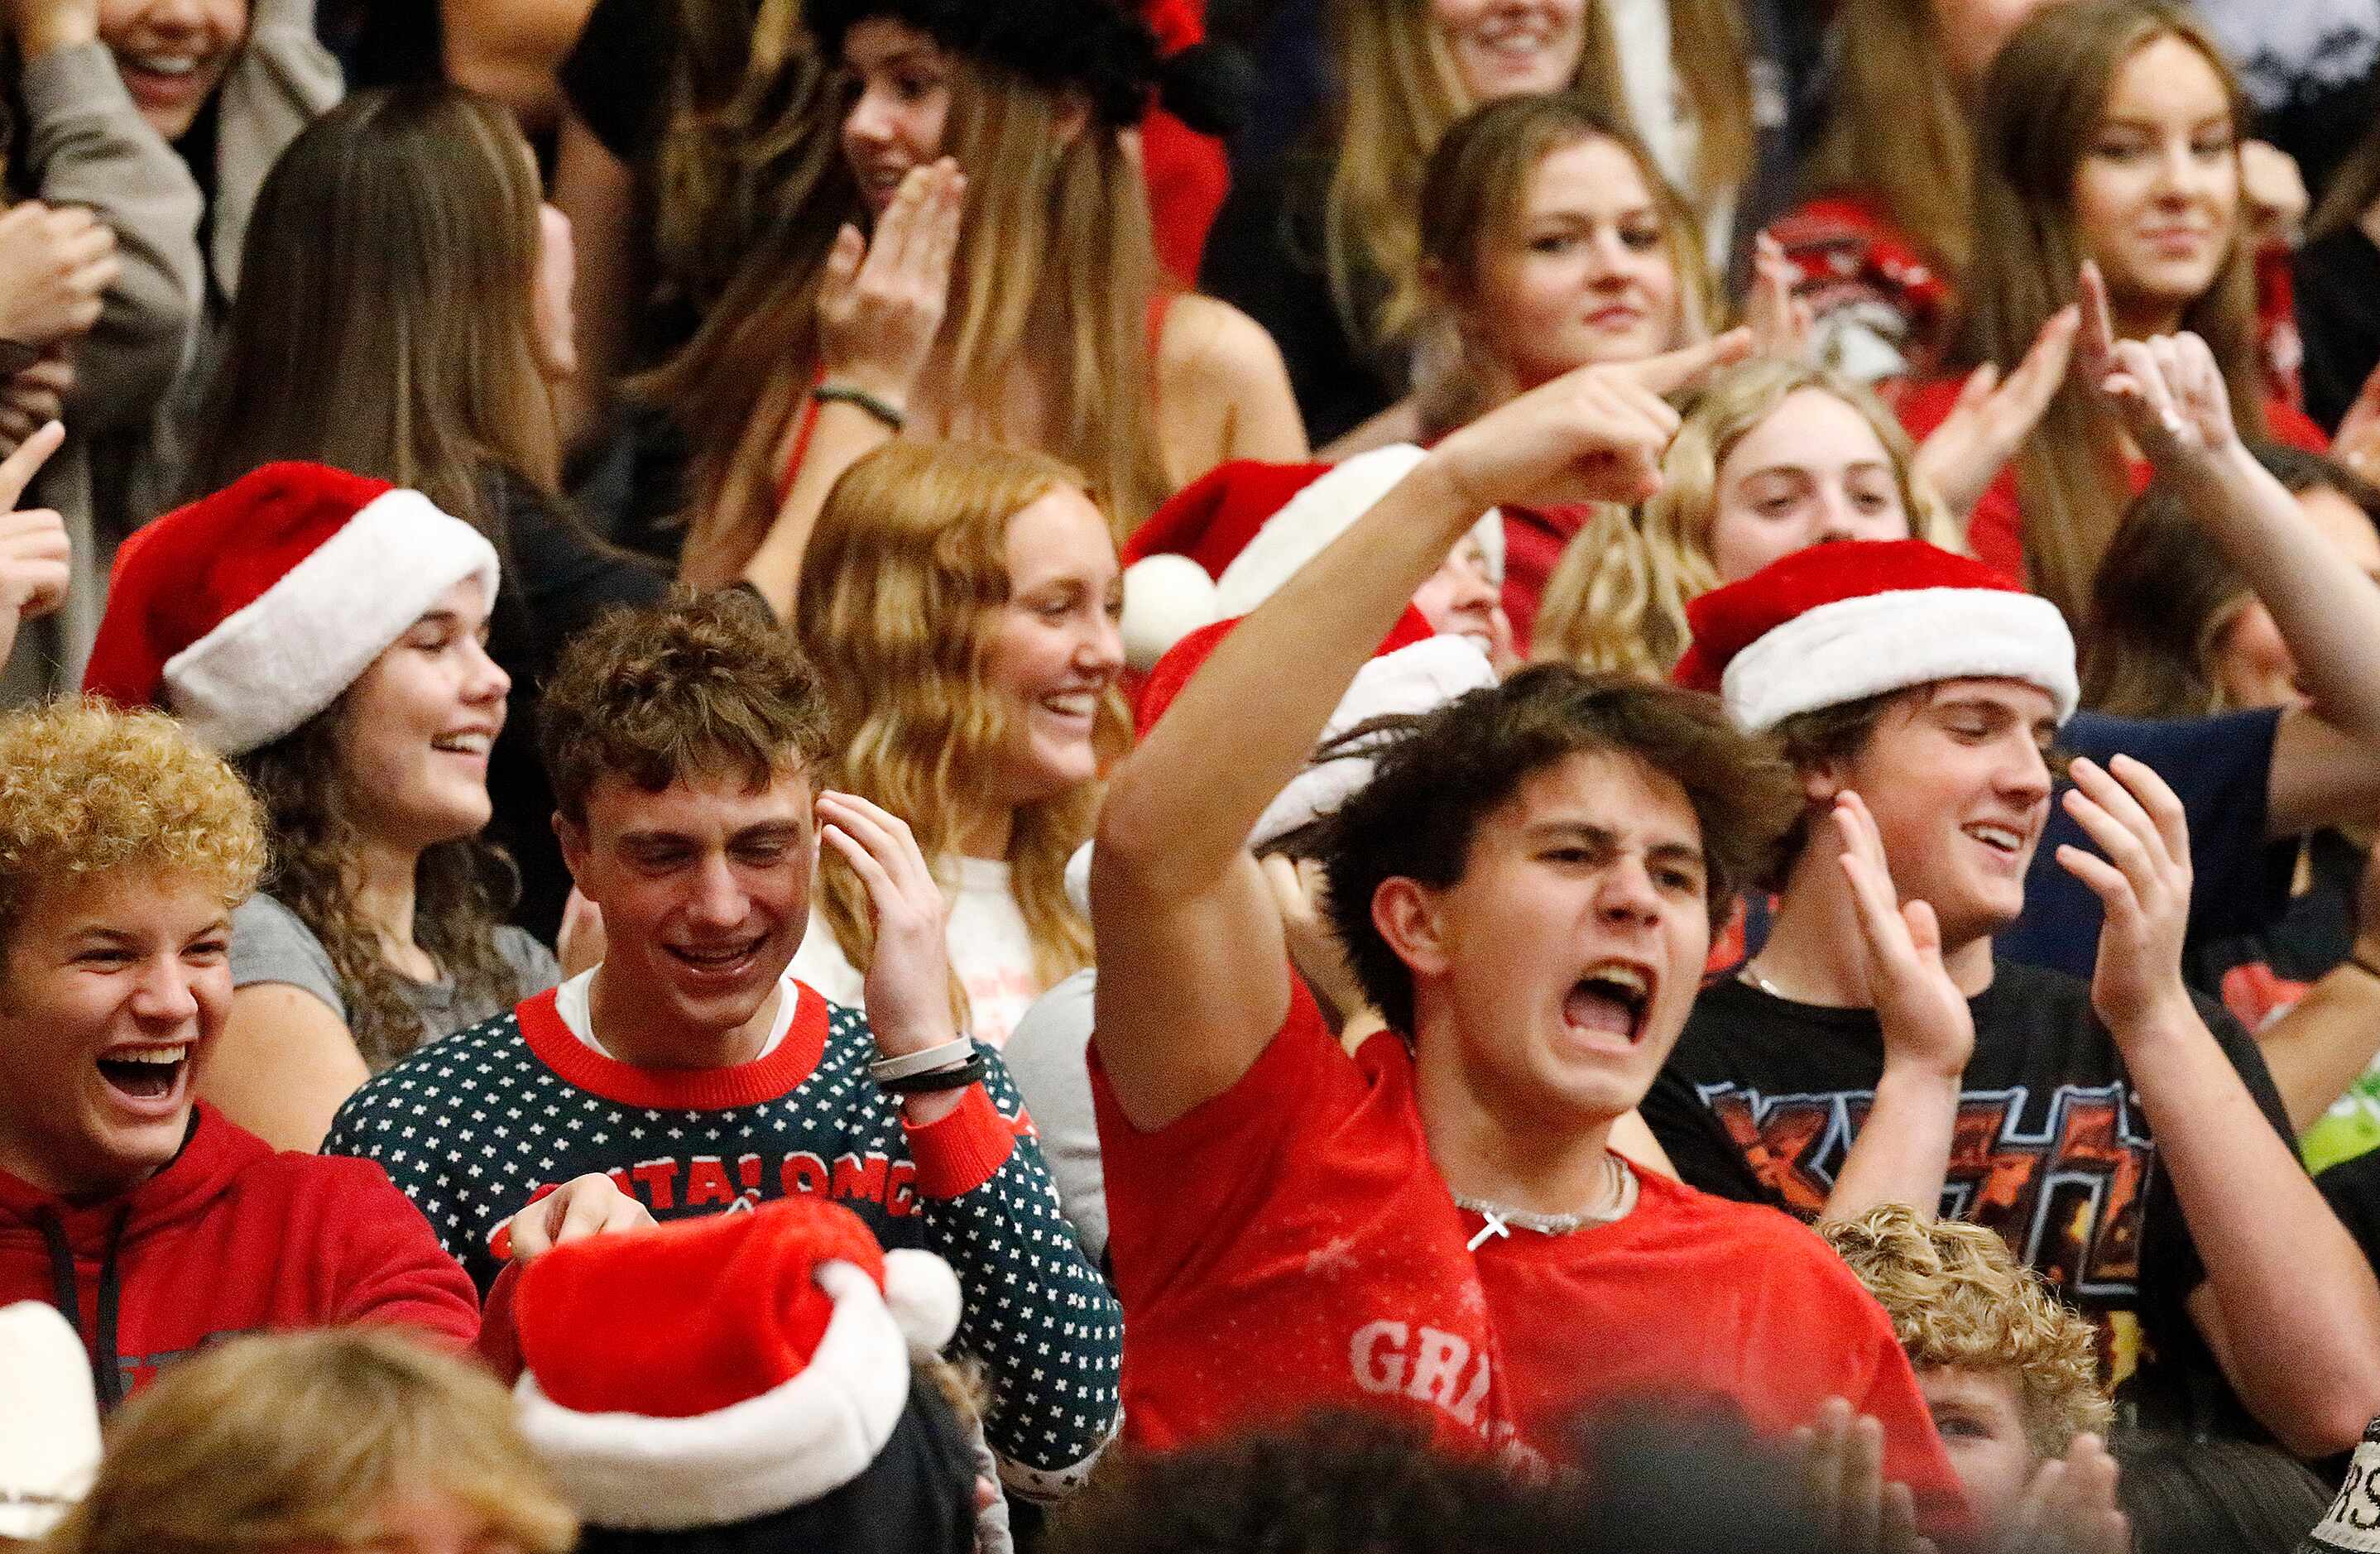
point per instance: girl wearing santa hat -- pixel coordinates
(1007, 288)
(962, 603)
(328, 632)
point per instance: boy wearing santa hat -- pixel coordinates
(1435, 1224)
(1874, 1051)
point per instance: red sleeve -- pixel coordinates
(962, 1149)
(1994, 531)
(1184, 1188)
(392, 1268)
(2283, 423)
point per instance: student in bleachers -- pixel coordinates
(408, 250)
(985, 147)
(328, 632)
(960, 602)
(2110, 134)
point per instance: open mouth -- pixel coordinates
(477, 742)
(2006, 840)
(718, 960)
(145, 1072)
(1610, 1000)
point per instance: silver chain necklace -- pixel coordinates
(1502, 1220)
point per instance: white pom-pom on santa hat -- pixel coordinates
(49, 1420)
(923, 1295)
(1857, 618)
(1246, 528)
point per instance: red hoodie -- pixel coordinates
(228, 1238)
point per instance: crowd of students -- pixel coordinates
(924, 775)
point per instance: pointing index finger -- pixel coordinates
(1672, 371)
(17, 471)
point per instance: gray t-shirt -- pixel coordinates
(1049, 1057)
(269, 943)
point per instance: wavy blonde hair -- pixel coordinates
(2040, 106)
(287, 1441)
(88, 789)
(1617, 599)
(1475, 194)
(904, 575)
(1398, 93)
(1055, 275)
(1957, 1296)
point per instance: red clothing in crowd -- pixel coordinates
(1289, 1244)
(1534, 539)
(1996, 531)
(228, 1238)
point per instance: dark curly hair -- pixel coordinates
(461, 890)
(1437, 777)
(699, 682)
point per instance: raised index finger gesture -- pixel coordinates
(17, 471)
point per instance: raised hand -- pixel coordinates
(34, 397)
(2144, 885)
(1301, 891)
(909, 975)
(1843, 1476)
(36, 561)
(55, 267)
(882, 300)
(1594, 434)
(41, 26)
(2069, 1506)
(1992, 418)
(1926, 1020)
(1781, 323)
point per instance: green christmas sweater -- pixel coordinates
(474, 1126)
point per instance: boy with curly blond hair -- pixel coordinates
(153, 1223)
(2009, 1373)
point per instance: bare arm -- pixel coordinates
(1223, 391)
(510, 49)
(598, 192)
(2320, 1046)
(1194, 973)
(2289, 1306)
(282, 1066)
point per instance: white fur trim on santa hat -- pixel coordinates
(923, 1295)
(49, 1420)
(289, 653)
(1167, 597)
(1874, 643)
(801, 1439)
(1417, 678)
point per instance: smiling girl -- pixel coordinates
(962, 608)
(328, 633)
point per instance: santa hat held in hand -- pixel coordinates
(726, 1369)
(249, 611)
(1857, 618)
(1219, 546)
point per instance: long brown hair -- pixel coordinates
(391, 329)
(2041, 104)
(1056, 270)
(1398, 93)
(1475, 193)
(907, 571)
(1898, 128)
(460, 888)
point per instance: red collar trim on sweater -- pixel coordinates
(683, 1089)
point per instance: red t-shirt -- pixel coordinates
(1289, 1244)
(1996, 531)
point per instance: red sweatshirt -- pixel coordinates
(228, 1238)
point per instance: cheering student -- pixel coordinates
(693, 1070)
(1435, 1224)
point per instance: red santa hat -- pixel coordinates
(1857, 618)
(1412, 672)
(1223, 543)
(249, 611)
(721, 1369)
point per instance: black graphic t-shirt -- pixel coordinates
(1762, 1097)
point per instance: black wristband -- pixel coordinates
(843, 393)
(956, 1077)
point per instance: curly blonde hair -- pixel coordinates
(900, 586)
(307, 1439)
(87, 788)
(1617, 599)
(1957, 1296)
